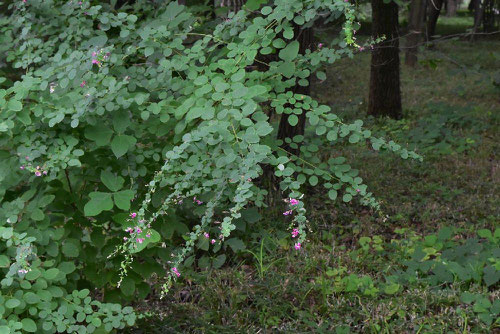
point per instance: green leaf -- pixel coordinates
(290, 52)
(266, 10)
(313, 180)
(121, 144)
(71, 248)
(332, 194)
(235, 244)
(123, 198)
(491, 275)
(219, 261)
(14, 105)
(111, 181)
(392, 288)
(29, 325)
(321, 75)
(127, 286)
(293, 120)
(98, 203)
(287, 69)
(238, 76)
(99, 133)
(12, 303)
(347, 198)
(4, 261)
(51, 274)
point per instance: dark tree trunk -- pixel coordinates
(415, 25)
(285, 130)
(385, 94)
(434, 9)
(451, 9)
(478, 17)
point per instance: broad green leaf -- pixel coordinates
(121, 144)
(111, 181)
(290, 52)
(123, 198)
(98, 203)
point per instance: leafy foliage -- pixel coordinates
(103, 96)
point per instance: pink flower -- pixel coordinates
(295, 232)
(26, 157)
(176, 272)
(320, 45)
(22, 167)
(38, 173)
(140, 240)
(361, 49)
(286, 213)
(22, 271)
(45, 172)
(148, 235)
(293, 201)
(83, 84)
(138, 229)
(125, 238)
(95, 61)
(129, 230)
(297, 246)
(358, 190)
(94, 54)
(212, 241)
(133, 215)
(206, 235)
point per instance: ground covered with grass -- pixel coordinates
(429, 262)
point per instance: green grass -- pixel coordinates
(456, 185)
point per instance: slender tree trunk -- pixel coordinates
(434, 8)
(478, 17)
(385, 94)
(285, 130)
(451, 10)
(415, 25)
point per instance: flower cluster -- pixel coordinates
(295, 232)
(99, 57)
(38, 170)
(176, 272)
(135, 231)
(197, 201)
(293, 202)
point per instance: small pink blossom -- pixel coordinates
(45, 172)
(129, 230)
(83, 84)
(95, 61)
(212, 241)
(361, 48)
(22, 271)
(320, 45)
(94, 54)
(148, 235)
(140, 240)
(358, 190)
(26, 157)
(133, 215)
(293, 201)
(125, 238)
(22, 167)
(176, 272)
(38, 173)
(138, 229)
(206, 235)
(286, 213)
(295, 232)
(297, 246)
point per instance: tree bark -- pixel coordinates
(285, 130)
(415, 25)
(385, 94)
(451, 10)
(434, 9)
(478, 17)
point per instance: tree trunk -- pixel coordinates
(415, 25)
(434, 8)
(285, 130)
(385, 94)
(451, 10)
(478, 17)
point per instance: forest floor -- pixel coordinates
(361, 272)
